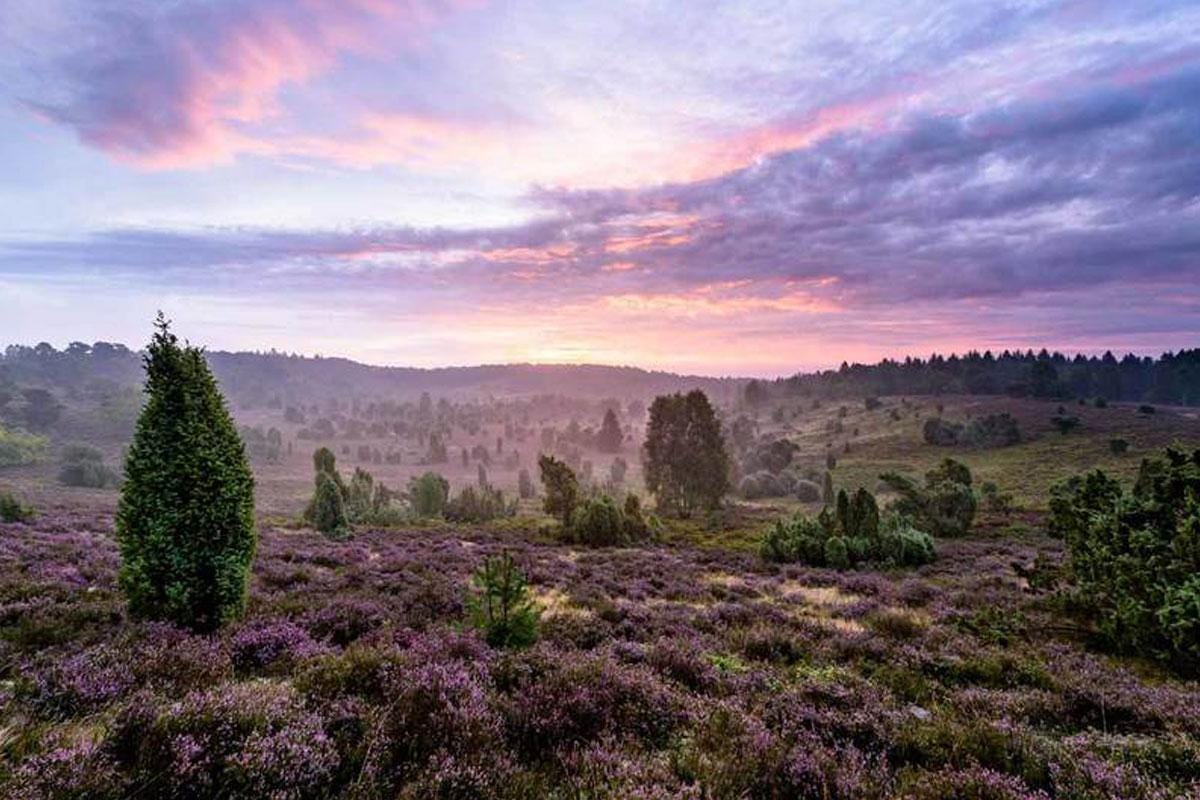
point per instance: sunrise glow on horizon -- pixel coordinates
(717, 188)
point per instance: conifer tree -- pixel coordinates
(185, 521)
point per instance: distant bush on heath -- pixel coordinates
(849, 534)
(944, 506)
(501, 606)
(327, 509)
(13, 510)
(428, 494)
(18, 448)
(84, 466)
(525, 488)
(600, 522)
(993, 430)
(185, 521)
(479, 504)
(1135, 555)
(561, 489)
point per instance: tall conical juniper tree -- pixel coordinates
(185, 522)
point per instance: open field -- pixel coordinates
(684, 668)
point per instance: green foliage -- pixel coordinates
(478, 504)
(524, 484)
(1135, 556)
(992, 430)
(185, 521)
(636, 526)
(562, 489)
(945, 506)
(686, 466)
(827, 495)
(327, 511)
(502, 606)
(84, 466)
(18, 448)
(598, 522)
(360, 495)
(848, 534)
(13, 510)
(1065, 423)
(428, 495)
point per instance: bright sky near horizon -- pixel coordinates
(724, 188)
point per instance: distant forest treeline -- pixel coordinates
(250, 379)
(1171, 379)
(259, 378)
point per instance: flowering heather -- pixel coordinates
(660, 672)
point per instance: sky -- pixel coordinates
(750, 188)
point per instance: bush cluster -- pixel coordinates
(18, 447)
(84, 466)
(1135, 555)
(944, 506)
(849, 534)
(993, 430)
(13, 510)
(479, 504)
(600, 522)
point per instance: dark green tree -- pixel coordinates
(686, 466)
(185, 521)
(1135, 555)
(562, 488)
(327, 511)
(610, 436)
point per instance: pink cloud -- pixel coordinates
(187, 86)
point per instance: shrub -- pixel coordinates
(848, 535)
(561, 486)
(235, 740)
(598, 522)
(993, 430)
(761, 484)
(185, 521)
(1146, 409)
(1065, 423)
(1135, 556)
(525, 485)
(945, 506)
(478, 504)
(13, 510)
(327, 511)
(428, 494)
(84, 466)
(635, 524)
(502, 606)
(17, 448)
(1118, 447)
(938, 431)
(807, 492)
